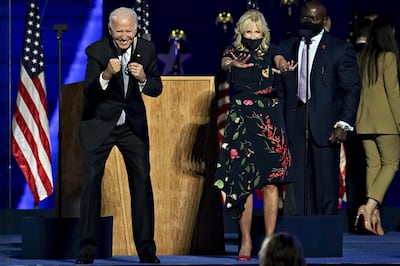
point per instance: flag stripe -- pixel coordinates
(31, 92)
(342, 177)
(39, 189)
(33, 137)
(30, 141)
(31, 147)
(223, 109)
(223, 114)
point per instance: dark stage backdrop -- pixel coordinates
(200, 54)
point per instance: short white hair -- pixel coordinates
(122, 12)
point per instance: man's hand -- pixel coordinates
(338, 135)
(135, 69)
(113, 66)
(285, 66)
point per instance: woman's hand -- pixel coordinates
(240, 61)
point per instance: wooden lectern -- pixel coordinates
(174, 119)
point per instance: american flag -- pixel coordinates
(223, 108)
(30, 139)
(252, 4)
(142, 10)
(342, 178)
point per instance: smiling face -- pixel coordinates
(123, 31)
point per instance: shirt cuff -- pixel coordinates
(142, 84)
(343, 125)
(103, 82)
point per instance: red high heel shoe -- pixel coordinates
(376, 222)
(362, 224)
(244, 258)
(244, 250)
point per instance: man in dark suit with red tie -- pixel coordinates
(330, 109)
(119, 69)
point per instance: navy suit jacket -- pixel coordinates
(335, 86)
(102, 108)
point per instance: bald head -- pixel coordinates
(313, 17)
(313, 11)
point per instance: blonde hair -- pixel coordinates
(242, 25)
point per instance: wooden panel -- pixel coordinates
(70, 156)
(174, 119)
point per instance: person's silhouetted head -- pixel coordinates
(281, 249)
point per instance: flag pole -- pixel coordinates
(59, 29)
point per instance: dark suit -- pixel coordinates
(358, 46)
(99, 133)
(335, 89)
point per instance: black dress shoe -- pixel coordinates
(84, 260)
(150, 259)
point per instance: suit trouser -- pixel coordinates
(136, 158)
(355, 177)
(383, 156)
(316, 187)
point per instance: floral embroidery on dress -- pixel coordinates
(254, 150)
(267, 90)
(274, 143)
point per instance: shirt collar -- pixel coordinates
(131, 48)
(317, 38)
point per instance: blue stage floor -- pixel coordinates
(357, 250)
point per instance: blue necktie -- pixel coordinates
(125, 74)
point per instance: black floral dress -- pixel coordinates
(254, 150)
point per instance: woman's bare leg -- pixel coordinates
(245, 227)
(270, 202)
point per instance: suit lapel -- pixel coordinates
(320, 53)
(114, 52)
(133, 58)
(297, 60)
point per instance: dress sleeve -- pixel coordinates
(227, 51)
